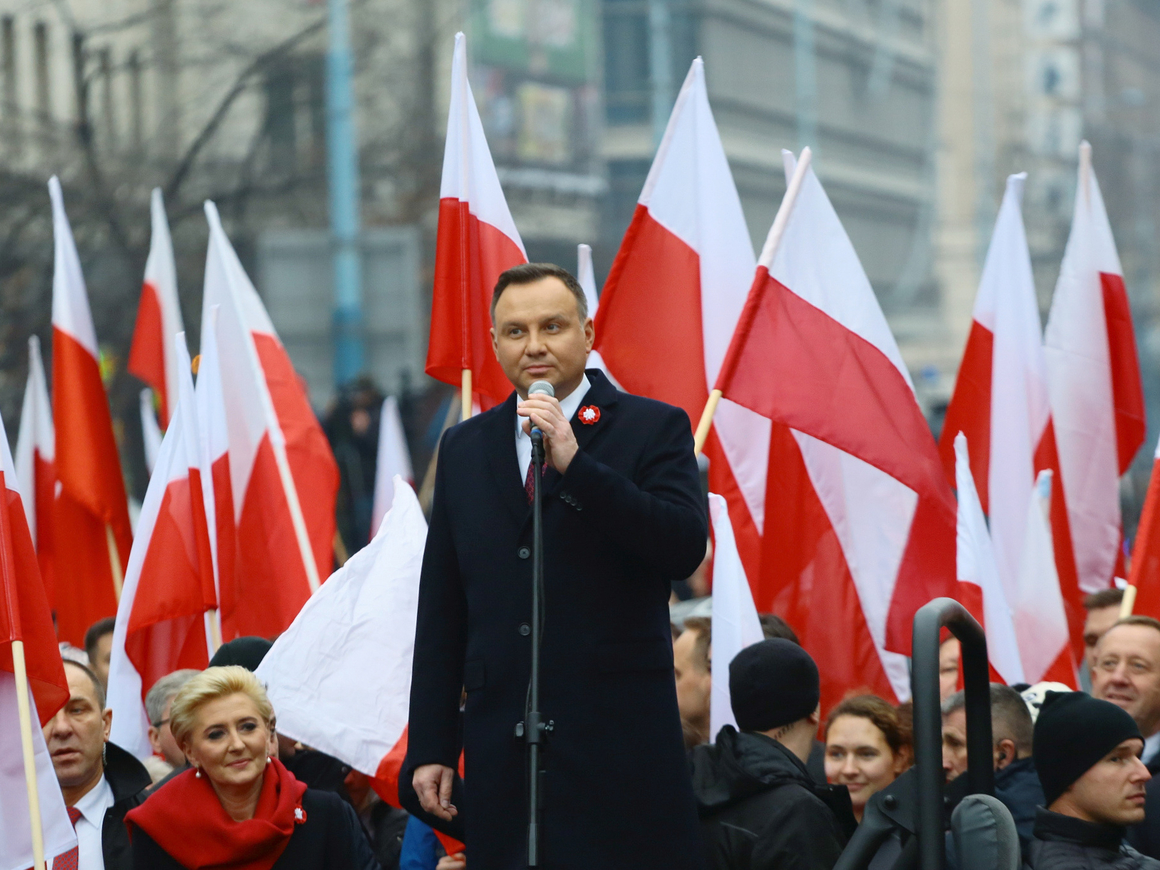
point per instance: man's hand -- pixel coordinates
(559, 439)
(432, 784)
(458, 861)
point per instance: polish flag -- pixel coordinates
(477, 240)
(91, 508)
(393, 459)
(978, 567)
(864, 532)
(150, 430)
(1001, 404)
(161, 620)
(586, 277)
(735, 621)
(317, 672)
(25, 617)
(673, 296)
(1097, 402)
(283, 477)
(35, 463)
(151, 356)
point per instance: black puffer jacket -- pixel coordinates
(1066, 843)
(761, 810)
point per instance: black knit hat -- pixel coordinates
(245, 651)
(1072, 732)
(772, 683)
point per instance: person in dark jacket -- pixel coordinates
(100, 781)
(760, 808)
(1087, 753)
(238, 808)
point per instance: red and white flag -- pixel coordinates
(317, 672)
(477, 240)
(91, 508)
(586, 276)
(36, 463)
(864, 532)
(1001, 404)
(151, 356)
(25, 617)
(736, 624)
(283, 476)
(161, 621)
(978, 568)
(1145, 574)
(393, 459)
(672, 298)
(1097, 401)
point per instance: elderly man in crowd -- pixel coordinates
(158, 700)
(1127, 673)
(1016, 782)
(1103, 611)
(692, 652)
(1087, 753)
(100, 781)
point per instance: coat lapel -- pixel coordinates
(601, 394)
(500, 439)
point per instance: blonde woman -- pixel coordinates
(237, 808)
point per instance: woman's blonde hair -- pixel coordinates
(209, 685)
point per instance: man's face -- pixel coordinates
(539, 336)
(161, 739)
(76, 735)
(1097, 623)
(693, 681)
(1127, 673)
(99, 662)
(954, 743)
(948, 667)
(1112, 791)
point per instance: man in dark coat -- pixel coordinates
(760, 808)
(623, 517)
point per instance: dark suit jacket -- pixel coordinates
(626, 520)
(128, 779)
(1145, 837)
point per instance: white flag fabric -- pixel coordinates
(975, 557)
(340, 675)
(735, 621)
(394, 459)
(586, 276)
(150, 429)
(15, 831)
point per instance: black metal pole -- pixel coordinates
(924, 685)
(534, 729)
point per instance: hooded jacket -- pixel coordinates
(761, 810)
(1066, 843)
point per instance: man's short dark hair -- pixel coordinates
(703, 626)
(97, 687)
(96, 631)
(1104, 598)
(773, 626)
(1010, 718)
(529, 273)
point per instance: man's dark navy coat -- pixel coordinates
(626, 519)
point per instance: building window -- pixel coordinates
(43, 84)
(627, 37)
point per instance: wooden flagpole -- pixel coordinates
(114, 562)
(465, 396)
(295, 505)
(24, 711)
(772, 243)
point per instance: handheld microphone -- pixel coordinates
(541, 388)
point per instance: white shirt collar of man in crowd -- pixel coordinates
(1151, 747)
(89, 826)
(570, 404)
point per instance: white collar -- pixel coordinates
(569, 405)
(98, 799)
(1151, 747)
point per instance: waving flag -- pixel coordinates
(864, 532)
(283, 477)
(151, 356)
(36, 465)
(393, 459)
(477, 240)
(673, 296)
(1097, 402)
(91, 507)
(161, 621)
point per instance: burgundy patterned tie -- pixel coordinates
(530, 483)
(68, 861)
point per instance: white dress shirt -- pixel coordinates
(570, 404)
(1151, 747)
(88, 827)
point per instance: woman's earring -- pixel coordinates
(197, 772)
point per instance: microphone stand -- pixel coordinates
(534, 729)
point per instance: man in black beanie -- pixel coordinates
(759, 807)
(1087, 753)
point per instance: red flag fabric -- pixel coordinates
(477, 240)
(36, 463)
(1145, 574)
(673, 296)
(91, 506)
(283, 477)
(151, 356)
(864, 532)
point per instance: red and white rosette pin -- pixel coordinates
(589, 414)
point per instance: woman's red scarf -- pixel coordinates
(186, 819)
